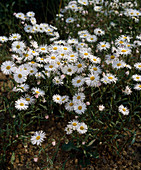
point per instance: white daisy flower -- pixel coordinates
(103, 46)
(7, 67)
(110, 78)
(69, 20)
(99, 32)
(38, 137)
(32, 70)
(95, 69)
(92, 80)
(21, 104)
(37, 91)
(127, 90)
(57, 81)
(83, 2)
(15, 36)
(21, 88)
(137, 87)
(136, 77)
(80, 67)
(69, 69)
(28, 28)
(29, 99)
(20, 15)
(20, 77)
(123, 110)
(78, 81)
(64, 98)
(43, 49)
(57, 98)
(79, 97)
(3, 39)
(80, 107)
(118, 64)
(74, 124)
(110, 58)
(95, 60)
(137, 66)
(18, 46)
(30, 14)
(124, 51)
(68, 129)
(91, 38)
(82, 128)
(69, 106)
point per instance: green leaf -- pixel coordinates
(69, 147)
(12, 158)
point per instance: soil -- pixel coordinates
(25, 154)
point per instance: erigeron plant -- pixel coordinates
(83, 75)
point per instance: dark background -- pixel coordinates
(45, 11)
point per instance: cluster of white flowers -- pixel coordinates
(72, 62)
(73, 125)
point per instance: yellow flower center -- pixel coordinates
(94, 59)
(27, 99)
(53, 57)
(58, 98)
(33, 51)
(33, 62)
(78, 97)
(41, 59)
(140, 86)
(19, 75)
(125, 37)
(54, 48)
(123, 51)
(71, 104)
(95, 69)
(91, 38)
(110, 77)
(79, 65)
(65, 48)
(72, 55)
(112, 56)
(31, 71)
(92, 78)
(62, 54)
(103, 45)
(63, 99)
(85, 53)
(137, 77)
(78, 81)
(118, 64)
(37, 92)
(15, 37)
(69, 70)
(121, 42)
(139, 65)
(21, 104)
(43, 49)
(18, 46)
(124, 109)
(79, 107)
(51, 66)
(8, 67)
(38, 137)
(81, 128)
(74, 124)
